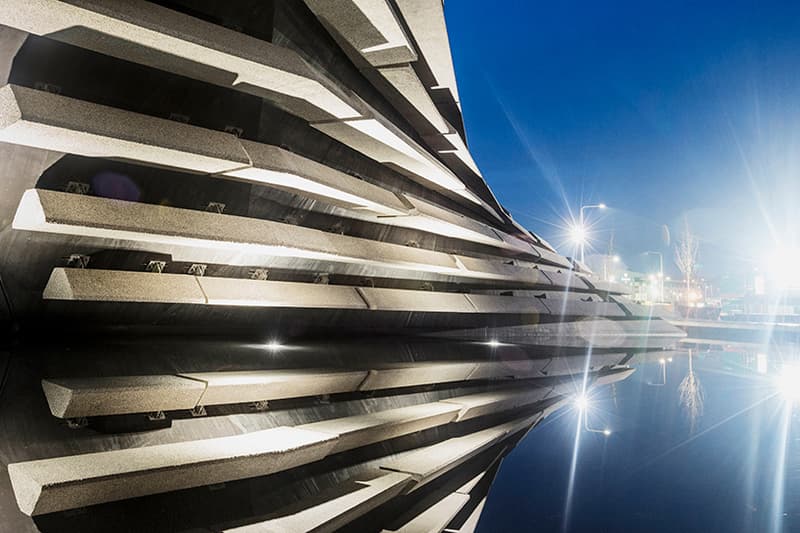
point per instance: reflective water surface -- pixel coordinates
(707, 444)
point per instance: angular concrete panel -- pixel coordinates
(158, 37)
(82, 397)
(52, 122)
(369, 26)
(285, 170)
(361, 430)
(122, 286)
(335, 508)
(411, 374)
(258, 385)
(61, 483)
(486, 403)
(436, 517)
(428, 463)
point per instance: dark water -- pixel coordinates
(739, 470)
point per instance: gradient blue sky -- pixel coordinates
(659, 109)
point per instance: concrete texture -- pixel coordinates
(407, 375)
(61, 483)
(283, 169)
(436, 517)
(487, 403)
(44, 120)
(361, 430)
(148, 34)
(428, 463)
(336, 509)
(369, 26)
(80, 397)
(258, 385)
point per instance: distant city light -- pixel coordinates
(789, 382)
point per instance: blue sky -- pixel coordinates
(661, 110)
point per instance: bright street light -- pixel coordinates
(582, 403)
(577, 234)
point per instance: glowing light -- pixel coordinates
(669, 359)
(577, 234)
(662, 361)
(607, 432)
(582, 402)
(602, 206)
(274, 346)
(789, 383)
(615, 259)
(494, 343)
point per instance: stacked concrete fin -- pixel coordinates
(253, 279)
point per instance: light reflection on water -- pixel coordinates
(736, 467)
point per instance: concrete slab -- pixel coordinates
(428, 463)
(80, 397)
(285, 170)
(486, 403)
(369, 26)
(52, 122)
(336, 509)
(121, 286)
(168, 40)
(257, 385)
(436, 517)
(62, 483)
(361, 430)
(411, 374)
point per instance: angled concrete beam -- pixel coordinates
(361, 430)
(428, 463)
(436, 517)
(242, 238)
(120, 286)
(258, 385)
(80, 397)
(50, 485)
(412, 374)
(369, 26)
(285, 170)
(52, 122)
(426, 21)
(144, 33)
(391, 147)
(333, 509)
(405, 81)
(485, 403)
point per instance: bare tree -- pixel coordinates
(686, 255)
(691, 396)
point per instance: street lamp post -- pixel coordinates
(660, 274)
(583, 226)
